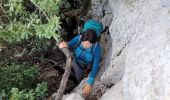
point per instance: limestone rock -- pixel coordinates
(140, 33)
(114, 93)
(73, 96)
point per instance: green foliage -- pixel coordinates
(15, 7)
(53, 7)
(2, 94)
(21, 76)
(50, 6)
(15, 32)
(37, 94)
(27, 94)
(41, 89)
(48, 30)
(23, 24)
(17, 75)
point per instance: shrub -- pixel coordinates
(15, 77)
(27, 94)
(22, 23)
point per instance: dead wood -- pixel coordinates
(63, 84)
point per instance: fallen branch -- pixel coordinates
(63, 84)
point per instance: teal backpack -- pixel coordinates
(90, 24)
(93, 24)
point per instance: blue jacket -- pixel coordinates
(87, 57)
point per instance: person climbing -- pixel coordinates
(86, 53)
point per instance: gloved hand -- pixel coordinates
(87, 89)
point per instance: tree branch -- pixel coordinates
(41, 10)
(63, 84)
(4, 13)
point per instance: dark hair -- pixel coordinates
(89, 35)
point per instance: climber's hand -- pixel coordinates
(86, 89)
(63, 45)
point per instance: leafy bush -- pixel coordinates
(17, 75)
(21, 76)
(27, 94)
(22, 24)
(15, 32)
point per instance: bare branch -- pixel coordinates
(5, 13)
(41, 10)
(60, 92)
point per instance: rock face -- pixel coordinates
(74, 96)
(138, 58)
(140, 30)
(114, 93)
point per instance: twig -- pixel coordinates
(5, 13)
(41, 10)
(35, 10)
(55, 64)
(51, 61)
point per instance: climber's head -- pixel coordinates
(88, 38)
